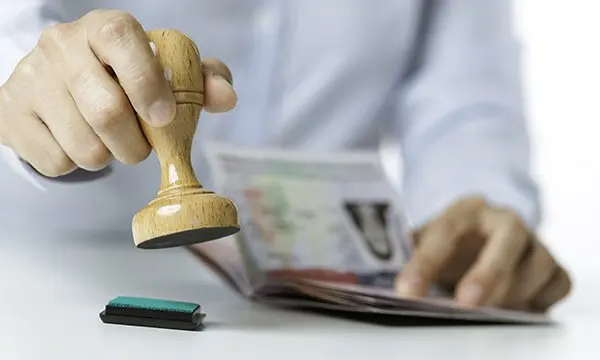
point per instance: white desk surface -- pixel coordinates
(53, 288)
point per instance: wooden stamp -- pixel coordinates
(183, 213)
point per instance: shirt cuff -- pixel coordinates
(474, 156)
(515, 192)
(41, 182)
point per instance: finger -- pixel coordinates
(68, 127)
(556, 289)
(217, 67)
(436, 247)
(35, 144)
(119, 41)
(507, 240)
(533, 274)
(100, 101)
(499, 294)
(219, 94)
(105, 107)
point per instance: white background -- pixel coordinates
(562, 74)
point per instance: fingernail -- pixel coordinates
(153, 47)
(408, 285)
(161, 112)
(168, 74)
(470, 295)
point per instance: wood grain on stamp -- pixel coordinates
(183, 213)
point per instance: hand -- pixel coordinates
(62, 107)
(487, 257)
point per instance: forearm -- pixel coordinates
(481, 151)
(464, 132)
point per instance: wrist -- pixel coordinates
(430, 198)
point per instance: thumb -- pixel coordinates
(219, 95)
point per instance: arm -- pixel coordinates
(21, 23)
(464, 133)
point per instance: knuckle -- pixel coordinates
(95, 157)
(464, 212)
(543, 261)
(94, 14)
(566, 285)
(7, 117)
(139, 155)
(56, 37)
(60, 164)
(513, 221)
(557, 289)
(475, 202)
(7, 99)
(468, 204)
(117, 25)
(110, 114)
(137, 152)
(452, 227)
(29, 67)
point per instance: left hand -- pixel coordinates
(487, 257)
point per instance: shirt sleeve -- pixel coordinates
(463, 130)
(21, 23)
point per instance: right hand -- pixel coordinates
(62, 109)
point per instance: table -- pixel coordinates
(53, 288)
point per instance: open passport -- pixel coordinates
(322, 231)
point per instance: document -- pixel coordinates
(322, 231)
